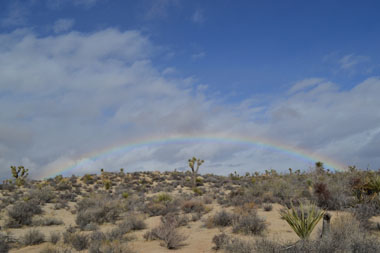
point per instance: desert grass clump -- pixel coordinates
(32, 237)
(303, 219)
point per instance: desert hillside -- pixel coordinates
(169, 212)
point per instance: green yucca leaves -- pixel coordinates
(304, 220)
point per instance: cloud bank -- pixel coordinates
(72, 94)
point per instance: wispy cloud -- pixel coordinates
(304, 84)
(57, 4)
(16, 15)
(198, 56)
(198, 17)
(160, 8)
(63, 25)
(351, 60)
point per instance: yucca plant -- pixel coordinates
(303, 220)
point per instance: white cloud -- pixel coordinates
(63, 25)
(198, 17)
(74, 94)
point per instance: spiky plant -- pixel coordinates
(303, 220)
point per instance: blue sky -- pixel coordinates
(285, 71)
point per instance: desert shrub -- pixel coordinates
(91, 227)
(163, 197)
(88, 179)
(364, 211)
(4, 243)
(220, 241)
(249, 223)
(61, 204)
(67, 234)
(178, 220)
(47, 221)
(115, 234)
(191, 206)
(78, 240)
(50, 249)
(98, 209)
(207, 199)
(238, 246)
(161, 208)
(168, 233)
(223, 218)
(32, 237)
(113, 247)
(21, 213)
(267, 207)
(43, 195)
(54, 237)
(132, 223)
(67, 195)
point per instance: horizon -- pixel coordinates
(83, 77)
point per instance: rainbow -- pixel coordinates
(121, 148)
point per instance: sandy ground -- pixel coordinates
(199, 237)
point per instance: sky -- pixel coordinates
(145, 85)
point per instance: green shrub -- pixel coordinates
(163, 197)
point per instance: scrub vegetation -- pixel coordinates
(315, 210)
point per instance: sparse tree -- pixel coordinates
(192, 163)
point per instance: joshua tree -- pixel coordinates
(19, 174)
(192, 163)
(319, 168)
